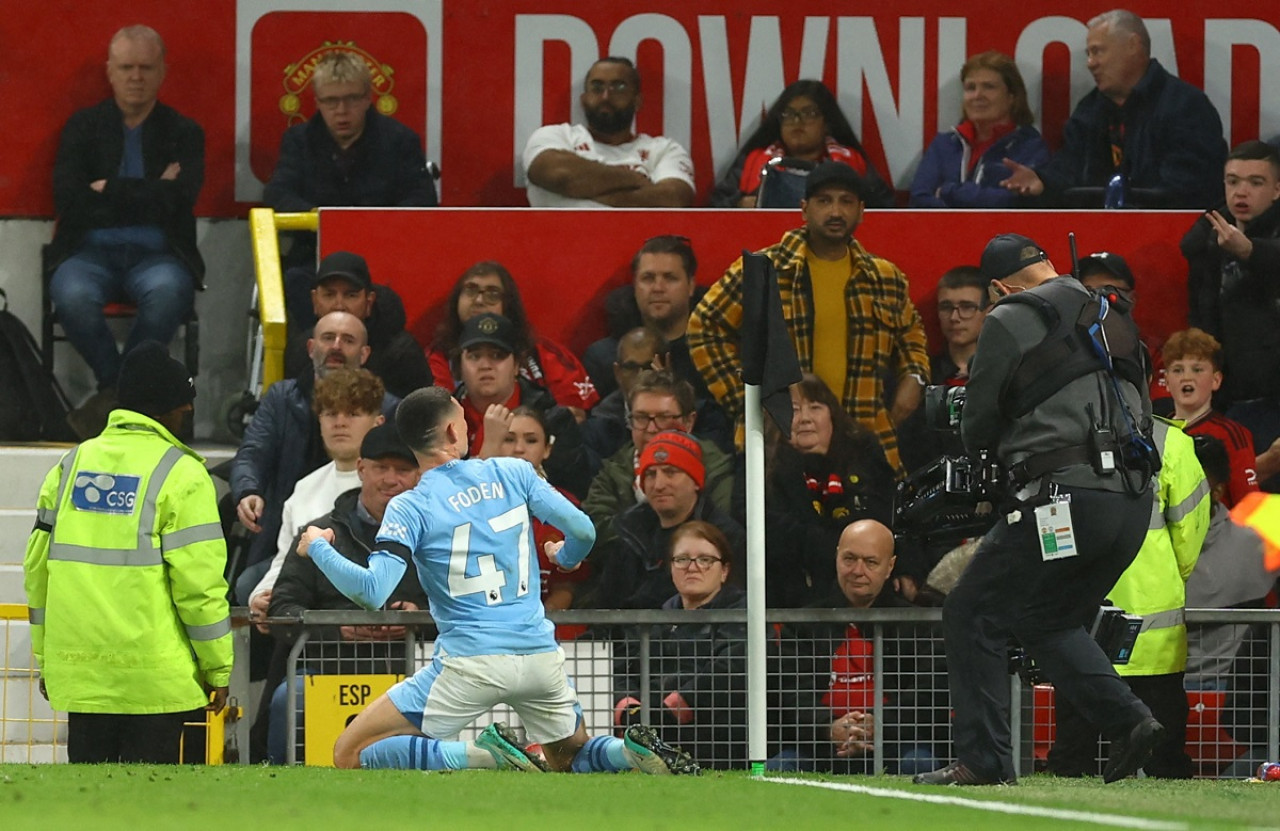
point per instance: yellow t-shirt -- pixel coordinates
(830, 319)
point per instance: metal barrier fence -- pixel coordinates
(849, 690)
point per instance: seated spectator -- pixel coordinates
(125, 183)
(348, 404)
(343, 284)
(805, 123)
(1233, 258)
(1193, 369)
(606, 430)
(829, 679)
(1109, 274)
(386, 467)
(603, 163)
(528, 438)
(282, 443)
(962, 308)
(831, 473)
(491, 385)
(347, 154)
(658, 401)
(963, 168)
(697, 670)
(660, 298)
(1159, 134)
(672, 477)
(1229, 575)
(488, 287)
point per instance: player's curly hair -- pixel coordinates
(344, 390)
(1192, 343)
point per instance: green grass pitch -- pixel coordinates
(145, 797)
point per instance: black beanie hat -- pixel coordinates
(152, 383)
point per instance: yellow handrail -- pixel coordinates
(264, 227)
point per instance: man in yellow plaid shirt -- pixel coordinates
(849, 313)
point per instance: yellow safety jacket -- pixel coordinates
(124, 575)
(1154, 585)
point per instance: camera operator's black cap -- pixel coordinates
(1105, 261)
(833, 173)
(1009, 253)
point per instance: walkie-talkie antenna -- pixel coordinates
(1075, 260)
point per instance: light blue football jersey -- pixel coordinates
(468, 527)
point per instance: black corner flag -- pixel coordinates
(768, 356)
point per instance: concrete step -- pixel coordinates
(11, 584)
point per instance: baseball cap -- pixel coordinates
(1006, 254)
(488, 328)
(346, 265)
(672, 447)
(833, 173)
(384, 441)
(1105, 261)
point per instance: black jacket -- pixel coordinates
(92, 147)
(1173, 145)
(394, 355)
(1238, 302)
(301, 586)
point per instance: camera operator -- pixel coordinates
(1066, 413)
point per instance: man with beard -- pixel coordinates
(849, 313)
(604, 163)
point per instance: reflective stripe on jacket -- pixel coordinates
(124, 575)
(1154, 585)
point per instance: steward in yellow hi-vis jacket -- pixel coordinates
(124, 576)
(1154, 586)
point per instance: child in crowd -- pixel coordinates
(1193, 371)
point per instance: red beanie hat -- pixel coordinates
(672, 447)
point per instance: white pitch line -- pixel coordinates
(999, 807)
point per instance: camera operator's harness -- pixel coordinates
(1088, 333)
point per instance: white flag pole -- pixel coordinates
(757, 732)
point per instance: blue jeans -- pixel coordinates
(155, 281)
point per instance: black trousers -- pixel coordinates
(1010, 590)
(1075, 746)
(104, 737)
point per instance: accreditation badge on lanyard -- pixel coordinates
(1056, 534)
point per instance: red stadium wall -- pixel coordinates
(476, 77)
(566, 261)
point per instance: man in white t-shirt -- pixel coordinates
(348, 403)
(604, 163)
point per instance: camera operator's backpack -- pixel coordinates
(33, 406)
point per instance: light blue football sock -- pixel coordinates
(601, 754)
(414, 753)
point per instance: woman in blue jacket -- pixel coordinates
(963, 168)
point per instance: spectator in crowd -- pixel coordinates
(697, 669)
(658, 401)
(348, 404)
(605, 431)
(660, 298)
(125, 182)
(488, 287)
(1109, 274)
(1153, 586)
(604, 163)
(1233, 256)
(831, 473)
(963, 168)
(1229, 575)
(528, 438)
(849, 313)
(491, 385)
(1193, 369)
(962, 307)
(805, 123)
(282, 443)
(385, 467)
(347, 154)
(343, 284)
(829, 681)
(1161, 135)
(129, 652)
(672, 478)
